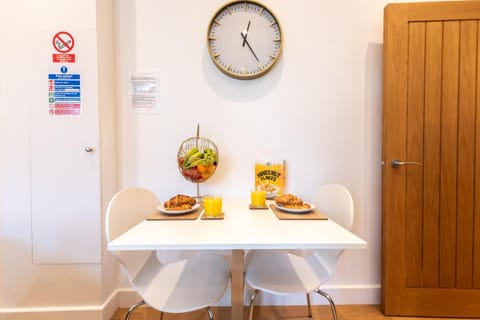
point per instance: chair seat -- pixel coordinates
(280, 273)
(185, 285)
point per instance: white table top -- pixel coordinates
(240, 229)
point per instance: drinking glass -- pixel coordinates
(212, 205)
(258, 198)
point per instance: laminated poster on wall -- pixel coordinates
(144, 92)
(64, 83)
(270, 176)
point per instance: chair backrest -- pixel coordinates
(126, 209)
(336, 202)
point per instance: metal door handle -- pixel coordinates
(398, 163)
(89, 149)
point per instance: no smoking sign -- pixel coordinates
(63, 42)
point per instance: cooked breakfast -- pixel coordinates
(180, 207)
(288, 199)
(179, 202)
(298, 206)
(291, 201)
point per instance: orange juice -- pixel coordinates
(212, 206)
(258, 198)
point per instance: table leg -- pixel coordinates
(237, 281)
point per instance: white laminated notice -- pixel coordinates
(144, 91)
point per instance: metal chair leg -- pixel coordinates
(252, 301)
(132, 308)
(309, 306)
(210, 313)
(330, 300)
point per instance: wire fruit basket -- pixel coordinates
(197, 159)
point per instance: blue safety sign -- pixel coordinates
(64, 93)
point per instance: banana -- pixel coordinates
(192, 158)
(190, 153)
(194, 163)
(209, 159)
(195, 157)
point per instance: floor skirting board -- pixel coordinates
(54, 313)
(90, 312)
(124, 298)
(358, 294)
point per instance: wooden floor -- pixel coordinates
(344, 312)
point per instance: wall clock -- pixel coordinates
(244, 39)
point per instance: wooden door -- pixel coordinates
(431, 115)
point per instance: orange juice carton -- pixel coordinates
(270, 176)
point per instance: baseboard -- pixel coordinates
(342, 294)
(53, 313)
(90, 312)
(124, 298)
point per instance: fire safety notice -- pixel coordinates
(64, 85)
(64, 94)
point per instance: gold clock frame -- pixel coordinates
(226, 70)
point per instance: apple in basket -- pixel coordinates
(198, 165)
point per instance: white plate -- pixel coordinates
(161, 208)
(291, 210)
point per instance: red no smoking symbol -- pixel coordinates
(63, 42)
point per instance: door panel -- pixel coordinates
(466, 160)
(448, 156)
(414, 152)
(431, 131)
(431, 212)
(65, 179)
(476, 243)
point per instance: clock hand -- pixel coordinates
(246, 31)
(249, 47)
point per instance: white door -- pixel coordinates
(65, 183)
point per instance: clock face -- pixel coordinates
(244, 39)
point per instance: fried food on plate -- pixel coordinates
(179, 202)
(180, 207)
(291, 201)
(298, 206)
(288, 200)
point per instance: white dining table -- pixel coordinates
(241, 229)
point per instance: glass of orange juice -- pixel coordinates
(258, 198)
(212, 205)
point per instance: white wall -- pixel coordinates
(319, 109)
(108, 129)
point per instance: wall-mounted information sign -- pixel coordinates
(64, 94)
(63, 43)
(144, 91)
(63, 84)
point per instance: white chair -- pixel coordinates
(301, 271)
(185, 285)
